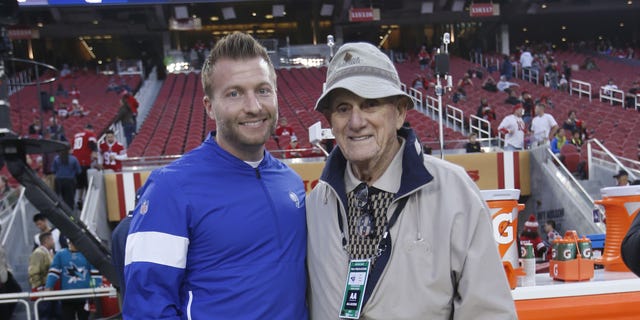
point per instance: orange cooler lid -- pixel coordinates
(620, 191)
(500, 194)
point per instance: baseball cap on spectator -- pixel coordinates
(621, 173)
(364, 70)
(516, 107)
(74, 101)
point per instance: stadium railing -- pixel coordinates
(580, 87)
(612, 95)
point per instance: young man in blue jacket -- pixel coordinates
(221, 232)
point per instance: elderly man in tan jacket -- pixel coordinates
(394, 234)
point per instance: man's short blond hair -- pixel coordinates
(236, 46)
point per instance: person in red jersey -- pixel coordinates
(85, 149)
(112, 152)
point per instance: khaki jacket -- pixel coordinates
(444, 262)
(39, 263)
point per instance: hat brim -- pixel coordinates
(367, 87)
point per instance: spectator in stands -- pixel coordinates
(77, 110)
(504, 85)
(566, 70)
(513, 128)
(55, 130)
(607, 88)
(292, 149)
(632, 95)
(42, 223)
(284, 129)
(126, 118)
(66, 167)
(572, 123)
(113, 86)
(589, 64)
(75, 92)
(558, 141)
(234, 210)
(489, 84)
(465, 81)
(513, 98)
(39, 263)
(506, 70)
(420, 82)
(459, 94)
(112, 152)
(528, 104)
(576, 139)
(376, 162)
(543, 126)
(485, 111)
(622, 178)
(61, 91)
(563, 84)
(546, 100)
(74, 272)
(552, 75)
(133, 104)
(65, 72)
(62, 111)
(35, 128)
(85, 150)
(423, 58)
(473, 145)
(8, 284)
(526, 59)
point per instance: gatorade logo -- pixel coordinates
(567, 254)
(503, 228)
(555, 269)
(587, 253)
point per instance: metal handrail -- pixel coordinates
(24, 297)
(566, 172)
(71, 294)
(609, 154)
(3, 241)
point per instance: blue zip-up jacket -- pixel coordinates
(214, 238)
(73, 270)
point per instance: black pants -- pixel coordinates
(11, 286)
(74, 307)
(66, 190)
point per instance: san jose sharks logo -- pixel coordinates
(75, 273)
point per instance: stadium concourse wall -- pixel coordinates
(496, 170)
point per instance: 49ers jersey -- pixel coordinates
(109, 155)
(82, 147)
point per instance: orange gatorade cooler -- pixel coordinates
(621, 206)
(504, 208)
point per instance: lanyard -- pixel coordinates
(384, 242)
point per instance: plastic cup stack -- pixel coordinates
(528, 265)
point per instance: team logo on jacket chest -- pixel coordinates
(144, 208)
(294, 197)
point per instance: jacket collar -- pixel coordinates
(267, 159)
(414, 174)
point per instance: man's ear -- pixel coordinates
(208, 106)
(403, 107)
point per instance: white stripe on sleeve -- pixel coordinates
(157, 247)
